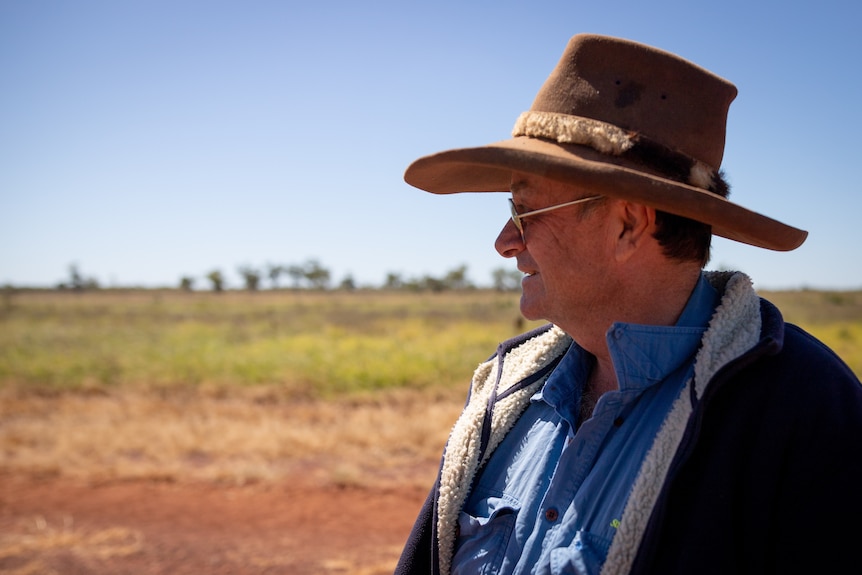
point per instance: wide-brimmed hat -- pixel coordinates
(624, 120)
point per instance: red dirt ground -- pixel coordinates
(57, 526)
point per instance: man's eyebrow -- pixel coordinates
(518, 186)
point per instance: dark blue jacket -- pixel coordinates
(767, 477)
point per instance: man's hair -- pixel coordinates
(683, 238)
(686, 239)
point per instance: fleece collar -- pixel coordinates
(502, 388)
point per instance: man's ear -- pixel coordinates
(636, 228)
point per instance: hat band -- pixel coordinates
(615, 141)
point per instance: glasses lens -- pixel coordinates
(515, 217)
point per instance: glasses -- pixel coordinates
(516, 217)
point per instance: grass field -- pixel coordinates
(833, 317)
(239, 387)
(301, 344)
(297, 344)
(246, 387)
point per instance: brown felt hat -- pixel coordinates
(626, 121)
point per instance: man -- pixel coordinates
(667, 420)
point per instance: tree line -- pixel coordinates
(312, 275)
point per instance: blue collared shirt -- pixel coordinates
(551, 496)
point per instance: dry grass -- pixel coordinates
(231, 428)
(244, 438)
(249, 438)
(37, 537)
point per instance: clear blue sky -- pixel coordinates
(147, 140)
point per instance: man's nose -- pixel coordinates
(510, 241)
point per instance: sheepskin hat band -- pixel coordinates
(623, 120)
(609, 139)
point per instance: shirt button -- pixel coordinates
(552, 514)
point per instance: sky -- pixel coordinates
(143, 141)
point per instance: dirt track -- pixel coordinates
(54, 526)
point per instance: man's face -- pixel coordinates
(565, 254)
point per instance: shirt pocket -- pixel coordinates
(586, 554)
(483, 538)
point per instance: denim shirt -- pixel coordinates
(552, 494)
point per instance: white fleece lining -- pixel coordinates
(733, 330)
(601, 136)
(461, 460)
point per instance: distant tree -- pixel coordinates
(274, 272)
(347, 284)
(217, 280)
(393, 281)
(77, 281)
(316, 275)
(296, 273)
(506, 280)
(187, 283)
(250, 276)
(456, 279)
(434, 284)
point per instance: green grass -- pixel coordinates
(301, 343)
(307, 344)
(833, 317)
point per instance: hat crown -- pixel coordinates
(641, 89)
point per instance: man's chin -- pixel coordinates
(530, 308)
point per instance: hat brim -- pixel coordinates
(489, 169)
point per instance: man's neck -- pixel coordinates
(652, 303)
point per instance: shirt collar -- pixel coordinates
(701, 305)
(642, 355)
